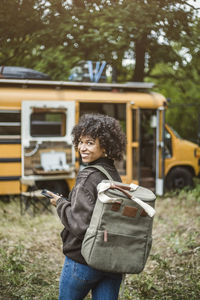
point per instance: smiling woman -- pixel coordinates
(90, 149)
(104, 128)
(99, 140)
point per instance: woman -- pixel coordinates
(99, 140)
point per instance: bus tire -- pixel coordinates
(179, 178)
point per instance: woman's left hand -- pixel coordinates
(54, 198)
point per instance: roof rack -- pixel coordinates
(88, 85)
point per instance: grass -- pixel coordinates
(31, 253)
(173, 269)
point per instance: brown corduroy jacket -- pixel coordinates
(76, 211)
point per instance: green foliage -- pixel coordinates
(19, 281)
(179, 81)
(54, 62)
(14, 263)
(98, 30)
(20, 26)
(160, 38)
(192, 194)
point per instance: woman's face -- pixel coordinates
(90, 149)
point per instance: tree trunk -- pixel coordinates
(140, 50)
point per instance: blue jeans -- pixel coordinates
(77, 280)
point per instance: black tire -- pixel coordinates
(179, 178)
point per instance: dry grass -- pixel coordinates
(173, 269)
(31, 253)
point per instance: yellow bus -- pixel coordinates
(36, 119)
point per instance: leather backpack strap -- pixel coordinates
(100, 168)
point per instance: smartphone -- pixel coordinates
(46, 194)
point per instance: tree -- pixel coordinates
(110, 30)
(144, 30)
(20, 25)
(180, 83)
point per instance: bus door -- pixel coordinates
(47, 152)
(160, 130)
(134, 136)
(147, 160)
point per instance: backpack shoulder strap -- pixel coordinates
(102, 169)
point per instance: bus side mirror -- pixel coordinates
(153, 122)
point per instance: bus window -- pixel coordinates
(117, 111)
(10, 123)
(46, 124)
(168, 144)
(148, 140)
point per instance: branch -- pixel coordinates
(192, 6)
(161, 76)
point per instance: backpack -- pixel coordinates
(119, 236)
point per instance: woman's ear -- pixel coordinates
(104, 153)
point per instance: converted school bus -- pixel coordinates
(36, 119)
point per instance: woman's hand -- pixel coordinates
(54, 198)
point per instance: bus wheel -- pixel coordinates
(179, 178)
(56, 186)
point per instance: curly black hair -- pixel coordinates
(106, 129)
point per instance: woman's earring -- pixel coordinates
(104, 153)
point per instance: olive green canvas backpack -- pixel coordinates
(119, 236)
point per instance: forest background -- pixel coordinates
(143, 40)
